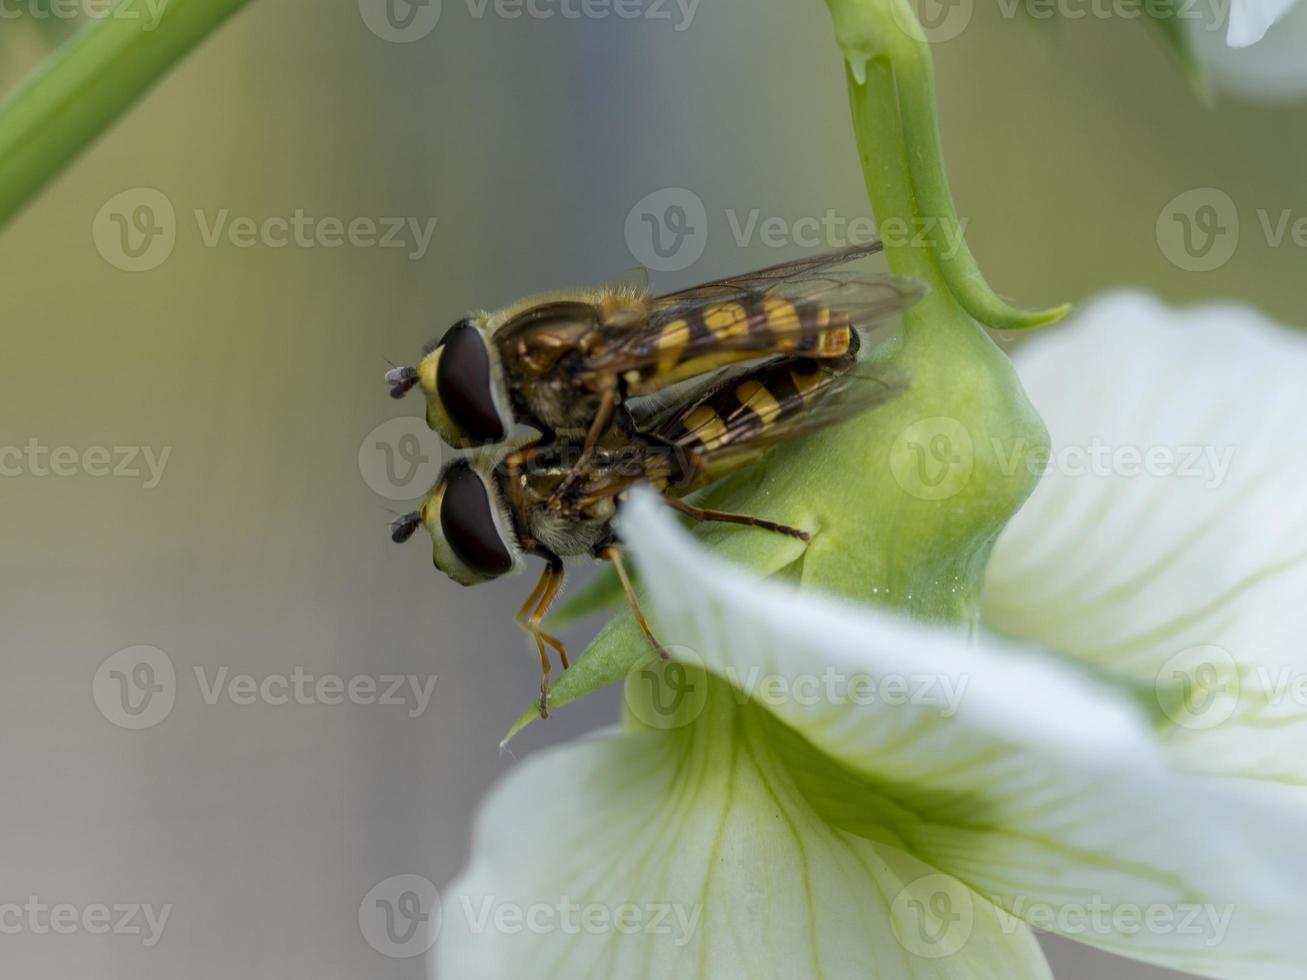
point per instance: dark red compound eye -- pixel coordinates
(465, 386)
(468, 523)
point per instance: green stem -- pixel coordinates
(892, 95)
(884, 155)
(90, 81)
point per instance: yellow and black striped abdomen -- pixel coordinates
(714, 336)
(740, 417)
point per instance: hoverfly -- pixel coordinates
(565, 363)
(484, 519)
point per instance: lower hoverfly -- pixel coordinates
(484, 519)
(565, 363)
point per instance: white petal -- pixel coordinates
(1250, 20)
(1274, 67)
(691, 855)
(1036, 787)
(1196, 572)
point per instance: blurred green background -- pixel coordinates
(263, 546)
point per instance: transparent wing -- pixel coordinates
(740, 418)
(785, 399)
(773, 276)
(797, 308)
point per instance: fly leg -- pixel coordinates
(724, 517)
(529, 616)
(614, 554)
(598, 426)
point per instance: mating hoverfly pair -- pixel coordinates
(622, 388)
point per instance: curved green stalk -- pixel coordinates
(892, 96)
(90, 81)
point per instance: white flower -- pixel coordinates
(1250, 20)
(1199, 557)
(843, 793)
(1261, 51)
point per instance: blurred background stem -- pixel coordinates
(89, 82)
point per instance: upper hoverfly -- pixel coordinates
(565, 363)
(485, 518)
